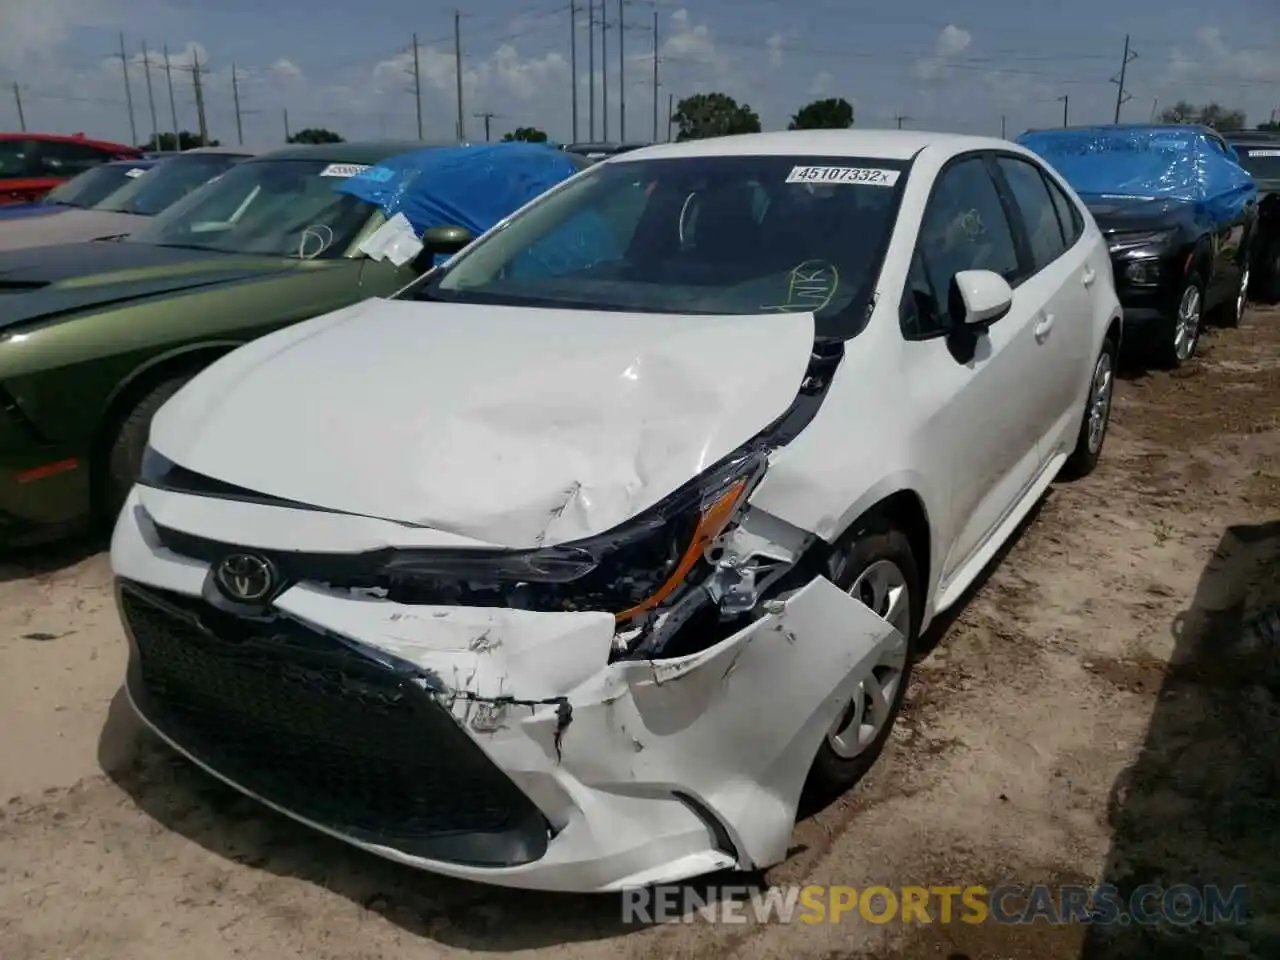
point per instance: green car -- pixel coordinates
(94, 337)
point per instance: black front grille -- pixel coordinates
(304, 721)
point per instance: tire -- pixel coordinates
(124, 457)
(1232, 312)
(1170, 351)
(1084, 458)
(1267, 285)
(864, 547)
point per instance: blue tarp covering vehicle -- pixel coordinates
(468, 186)
(1152, 162)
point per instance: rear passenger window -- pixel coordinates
(1068, 213)
(1039, 214)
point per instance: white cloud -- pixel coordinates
(774, 45)
(286, 70)
(821, 85)
(1213, 58)
(951, 42)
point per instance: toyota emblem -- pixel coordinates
(246, 578)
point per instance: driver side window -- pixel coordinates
(964, 228)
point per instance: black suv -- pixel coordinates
(1174, 266)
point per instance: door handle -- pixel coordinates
(1088, 276)
(1044, 323)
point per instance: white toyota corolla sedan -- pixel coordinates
(572, 564)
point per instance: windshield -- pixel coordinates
(708, 235)
(13, 158)
(1263, 163)
(279, 208)
(167, 183)
(93, 186)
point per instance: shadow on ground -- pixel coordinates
(1201, 805)
(22, 563)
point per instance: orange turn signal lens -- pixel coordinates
(715, 517)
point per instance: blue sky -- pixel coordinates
(348, 67)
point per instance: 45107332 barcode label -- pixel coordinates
(848, 175)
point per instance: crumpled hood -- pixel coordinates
(1119, 214)
(68, 226)
(512, 426)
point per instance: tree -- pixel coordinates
(1210, 114)
(1271, 126)
(186, 141)
(525, 134)
(834, 113)
(316, 135)
(713, 115)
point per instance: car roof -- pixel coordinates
(358, 152)
(884, 144)
(73, 138)
(132, 162)
(225, 151)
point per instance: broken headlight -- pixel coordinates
(627, 571)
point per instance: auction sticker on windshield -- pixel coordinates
(343, 169)
(857, 175)
(1264, 153)
(135, 172)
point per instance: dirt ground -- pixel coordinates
(1102, 709)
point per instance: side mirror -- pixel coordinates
(445, 240)
(985, 295)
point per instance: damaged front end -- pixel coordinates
(637, 707)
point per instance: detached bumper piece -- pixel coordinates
(306, 723)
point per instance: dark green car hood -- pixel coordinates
(46, 282)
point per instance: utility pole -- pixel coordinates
(604, 74)
(417, 84)
(486, 116)
(235, 98)
(655, 76)
(1154, 103)
(128, 91)
(622, 78)
(573, 65)
(591, 69)
(17, 99)
(1066, 99)
(1122, 95)
(286, 124)
(198, 83)
(901, 118)
(671, 106)
(173, 104)
(457, 63)
(1002, 136)
(151, 96)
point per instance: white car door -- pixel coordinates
(968, 392)
(1059, 277)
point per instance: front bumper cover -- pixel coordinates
(597, 776)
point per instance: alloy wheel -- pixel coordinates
(1187, 329)
(1100, 401)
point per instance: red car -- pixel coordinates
(32, 164)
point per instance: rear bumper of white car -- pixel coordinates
(491, 744)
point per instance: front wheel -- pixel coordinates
(1183, 335)
(875, 565)
(124, 457)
